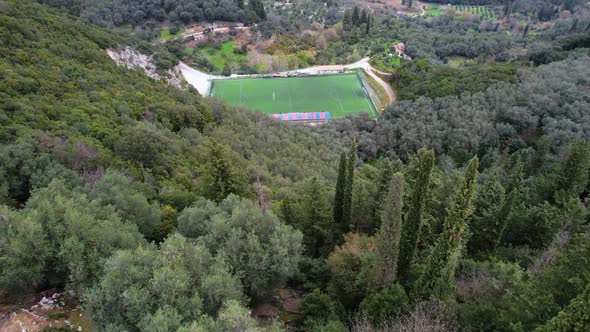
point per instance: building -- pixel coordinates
(332, 69)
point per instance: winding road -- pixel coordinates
(364, 64)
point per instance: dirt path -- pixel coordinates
(385, 85)
(364, 64)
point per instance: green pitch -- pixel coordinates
(340, 95)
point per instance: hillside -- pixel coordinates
(62, 93)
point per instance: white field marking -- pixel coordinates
(289, 92)
(332, 90)
(241, 92)
(370, 106)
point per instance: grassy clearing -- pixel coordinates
(124, 28)
(166, 35)
(340, 95)
(432, 12)
(188, 51)
(385, 63)
(456, 62)
(222, 56)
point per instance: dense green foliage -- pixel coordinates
(340, 192)
(574, 317)
(416, 79)
(388, 238)
(114, 13)
(437, 279)
(263, 250)
(418, 196)
(502, 117)
(176, 283)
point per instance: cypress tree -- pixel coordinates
(574, 317)
(347, 20)
(347, 204)
(258, 7)
(437, 278)
(388, 238)
(526, 31)
(572, 172)
(574, 25)
(488, 202)
(355, 16)
(382, 189)
(508, 9)
(368, 28)
(316, 226)
(223, 179)
(513, 191)
(340, 191)
(416, 204)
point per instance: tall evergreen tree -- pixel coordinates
(340, 191)
(222, 177)
(572, 172)
(387, 246)
(512, 195)
(347, 206)
(356, 16)
(507, 9)
(363, 18)
(415, 214)
(488, 202)
(381, 193)
(258, 7)
(368, 27)
(347, 20)
(316, 227)
(437, 278)
(574, 317)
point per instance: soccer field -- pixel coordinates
(340, 95)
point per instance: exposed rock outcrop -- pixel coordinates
(133, 59)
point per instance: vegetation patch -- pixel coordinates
(433, 11)
(168, 33)
(224, 56)
(422, 79)
(385, 63)
(484, 12)
(456, 62)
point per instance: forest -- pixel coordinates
(463, 207)
(136, 12)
